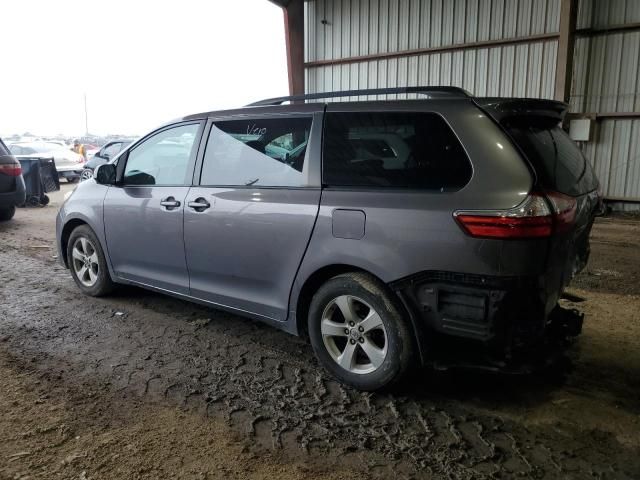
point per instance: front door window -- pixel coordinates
(162, 159)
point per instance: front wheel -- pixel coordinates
(358, 333)
(86, 174)
(87, 263)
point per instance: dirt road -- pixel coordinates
(139, 385)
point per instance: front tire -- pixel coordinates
(358, 333)
(7, 214)
(87, 263)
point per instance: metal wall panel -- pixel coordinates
(615, 156)
(517, 70)
(605, 13)
(606, 74)
(345, 28)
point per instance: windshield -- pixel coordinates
(559, 163)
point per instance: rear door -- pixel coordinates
(248, 223)
(143, 217)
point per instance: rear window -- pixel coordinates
(559, 163)
(393, 150)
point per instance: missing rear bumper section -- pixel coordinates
(494, 323)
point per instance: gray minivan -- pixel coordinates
(442, 228)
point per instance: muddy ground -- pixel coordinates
(142, 386)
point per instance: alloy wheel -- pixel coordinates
(85, 261)
(354, 334)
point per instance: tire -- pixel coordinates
(86, 174)
(7, 213)
(73, 179)
(95, 280)
(391, 345)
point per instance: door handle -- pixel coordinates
(200, 204)
(169, 203)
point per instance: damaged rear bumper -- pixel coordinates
(508, 324)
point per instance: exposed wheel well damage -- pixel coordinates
(69, 227)
(315, 281)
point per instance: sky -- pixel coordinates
(141, 63)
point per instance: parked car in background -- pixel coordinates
(12, 189)
(69, 165)
(91, 151)
(60, 143)
(106, 153)
(439, 231)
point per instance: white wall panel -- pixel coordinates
(344, 28)
(607, 73)
(605, 13)
(615, 156)
(495, 71)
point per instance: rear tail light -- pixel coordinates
(12, 170)
(538, 216)
(564, 210)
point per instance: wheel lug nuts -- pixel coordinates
(352, 324)
(346, 331)
(352, 341)
(361, 339)
(361, 328)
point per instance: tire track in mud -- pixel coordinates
(266, 385)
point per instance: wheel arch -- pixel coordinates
(318, 278)
(69, 227)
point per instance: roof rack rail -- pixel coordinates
(435, 91)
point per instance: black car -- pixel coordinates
(106, 153)
(12, 190)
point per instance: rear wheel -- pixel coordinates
(358, 332)
(7, 213)
(73, 179)
(87, 263)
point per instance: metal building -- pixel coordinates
(585, 52)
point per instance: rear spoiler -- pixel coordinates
(502, 108)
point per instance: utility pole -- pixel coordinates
(86, 116)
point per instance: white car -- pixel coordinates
(69, 164)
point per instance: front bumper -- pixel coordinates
(478, 318)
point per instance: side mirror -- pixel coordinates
(105, 174)
(106, 156)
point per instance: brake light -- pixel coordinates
(12, 170)
(564, 210)
(538, 216)
(506, 227)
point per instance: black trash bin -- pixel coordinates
(40, 176)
